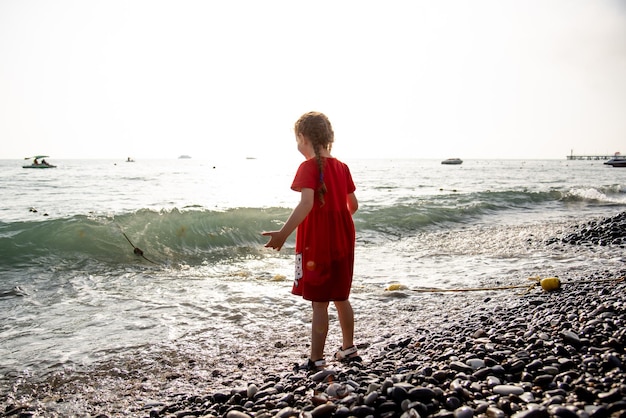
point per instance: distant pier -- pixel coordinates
(590, 157)
(571, 156)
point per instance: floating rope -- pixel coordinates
(548, 284)
(136, 250)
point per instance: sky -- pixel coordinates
(150, 79)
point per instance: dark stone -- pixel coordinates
(563, 412)
(543, 380)
(612, 396)
(584, 395)
(421, 394)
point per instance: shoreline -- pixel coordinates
(558, 353)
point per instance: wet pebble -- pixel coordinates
(508, 390)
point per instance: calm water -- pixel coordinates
(73, 293)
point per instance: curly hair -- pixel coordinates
(317, 128)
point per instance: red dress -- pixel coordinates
(325, 239)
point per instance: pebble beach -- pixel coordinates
(491, 353)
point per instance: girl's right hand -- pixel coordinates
(276, 240)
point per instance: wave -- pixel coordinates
(422, 212)
(195, 236)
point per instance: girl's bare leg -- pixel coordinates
(346, 320)
(319, 329)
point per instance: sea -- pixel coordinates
(106, 262)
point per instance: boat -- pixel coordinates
(617, 161)
(37, 164)
(184, 157)
(452, 161)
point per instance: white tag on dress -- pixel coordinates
(298, 272)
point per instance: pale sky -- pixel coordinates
(412, 78)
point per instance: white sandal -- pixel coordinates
(348, 355)
(311, 366)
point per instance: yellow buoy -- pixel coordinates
(395, 286)
(550, 283)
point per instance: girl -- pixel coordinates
(325, 237)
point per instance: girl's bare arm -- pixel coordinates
(278, 238)
(353, 203)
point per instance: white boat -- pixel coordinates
(617, 161)
(38, 164)
(452, 161)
